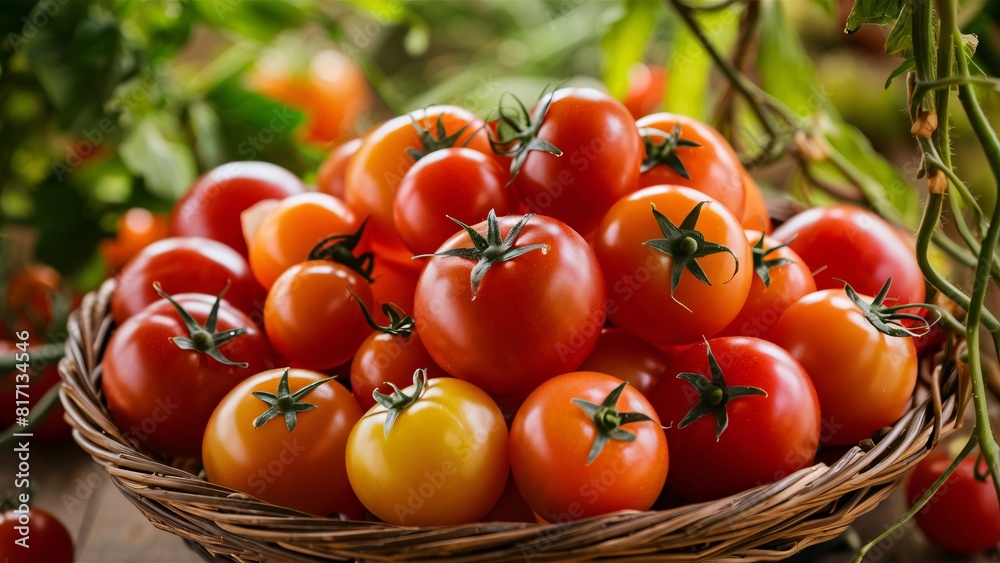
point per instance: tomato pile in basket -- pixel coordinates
(592, 305)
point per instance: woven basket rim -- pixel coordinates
(769, 522)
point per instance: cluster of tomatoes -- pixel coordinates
(554, 296)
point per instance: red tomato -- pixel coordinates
(137, 228)
(296, 460)
(649, 268)
(755, 215)
(387, 153)
(31, 293)
(709, 165)
(395, 282)
(186, 265)
(163, 376)
(963, 516)
(45, 540)
(543, 297)
(40, 378)
(391, 354)
(292, 229)
(211, 208)
(751, 418)
(332, 175)
(788, 280)
(844, 243)
(647, 87)
(455, 183)
(628, 358)
(601, 152)
(569, 453)
(311, 317)
(864, 378)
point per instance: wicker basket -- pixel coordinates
(770, 522)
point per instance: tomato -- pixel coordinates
(186, 265)
(389, 355)
(41, 377)
(506, 313)
(628, 358)
(281, 436)
(652, 286)
(844, 243)
(863, 377)
(137, 228)
(163, 375)
(787, 280)
(332, 175)
(599, 163)
(692, 155)
(311, 317)
(963, 516)
(739, 412)
(212, 207)
(511, 507)
(46, 539)
(329, 88)
(31, 294)
(755, 215)
(585, 444)
(647, 87)
(455, 183)
(293, 228)
(387, 153)
(434, 454)
(395, 282)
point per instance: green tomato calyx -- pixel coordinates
(200, 338)
(761, 264)
(285, 402)
(665, 152)
(889, 320)
(490, 249)
(714, 395)
(609, 421)
(340, 248)
(400, 324)
(684, 245)
(517, 131)
(436, 140)
(398, 401)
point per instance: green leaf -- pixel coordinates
(828, 6)
(262, 21)
(872, 12)
(207, 132)
(417, 39)
(625, 41)
(901, 36)
(689, 60)
(786, 71)
(907, 65)
(166, 165)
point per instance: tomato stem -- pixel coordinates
(400, 324)
(609, 421)
(398, 401)
(200, 338)
(714, 395)
(340, 248)
(761, 265)
(286, 403)
(434, 141)
(524, 127)
(665, 152)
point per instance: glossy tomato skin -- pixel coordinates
(864, 379)
(332, 175)
(48, 539)
(755, 215)
(444, 461)
(713, 167)
(312, 319)
(395, 282)
(600, 161)
(545, 309)
(628, 358)
(458, 182)
(385, 357)
(765, 303)
(768, 437)
(293, 228)
(377, 169)
(211, 208)
(647, 86)
(137, 228)
(161, 396)
(54, 428)
(963, 516)
(186, 265)
(843, 243)
(551, 438)
(638, 277)
(303, 469)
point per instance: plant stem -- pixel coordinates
(39, 413)
(46, 353)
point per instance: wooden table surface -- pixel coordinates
(107, 528)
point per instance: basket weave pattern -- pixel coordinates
(767, 523)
